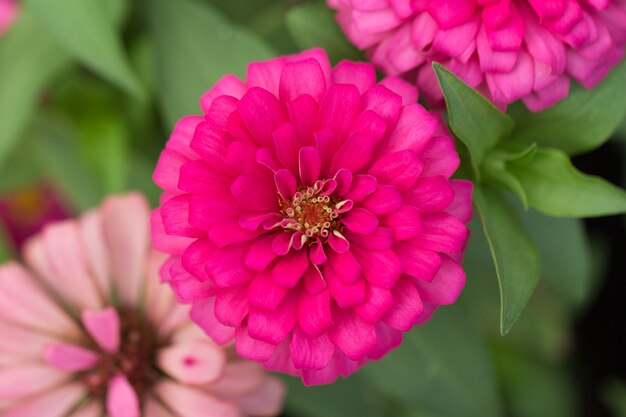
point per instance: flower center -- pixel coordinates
(135, 358)
(312, 212)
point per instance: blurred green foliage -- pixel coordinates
(87, 100)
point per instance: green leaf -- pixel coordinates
(582, 122)
(495, 170)
(556, 188)
(473, 119)
(194, 47)
(29, 60)
(345, 397)
(565, 252)
(87, 30)
(514, 253)
(314, 25)
(442, 368)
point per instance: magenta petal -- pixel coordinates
(360, 221)
(228, 85)
(345, 294)
(441, 232)
(380, 239)
(414, 129)
(231, 305)
(385, 200)
(310, 165)
(289, 268)
(302, 77)
(384, 102)
(360, 74)
(264, 293)
(285, 183)
(314, 282)
(71, 358)
(400, 169)
(287, 146)
(252, 349)
(309, 352)
(355, 154)
(338, 242)
(352, 335)
(253, 195)
(439, 158)
(273, 326)
(262, 113)
(303, 115)
(419, 263)
(229, 232)
(345, 266)
(104, 327)
(461, 206)
(406, 308)
(316, 253)
(313, 312)
(260, 253)
(176, 217)
(430, 195)
(447, 284)
(377, 302)
(361, 187)
(380, 268)
(341, 104)
(404, 223)
(203, 313)
(122, 400)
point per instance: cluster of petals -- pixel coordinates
(87, 330)
(8, 14)
(310, 214)
(507, 49)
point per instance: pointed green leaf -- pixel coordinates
(86, 29)
(29, 60)
(513, 252)
(314, 25)
(555, 187)
(195, 46)
(436, 362)
(495, 172)
(582, 122)
(473, 119)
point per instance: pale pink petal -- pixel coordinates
(126, 231)
(56, 403)
(104, 327)
(22, 380)
(191, 402)
(122, 400)
(266, 401)
(193, 363)
(71, 358)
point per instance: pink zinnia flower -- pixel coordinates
(8, 14)
(24, 212)
(507, 49)
(89, 331)
(310, 215)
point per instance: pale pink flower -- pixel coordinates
(8, 13)
(310, 215)
(507, 49)
(89, 331)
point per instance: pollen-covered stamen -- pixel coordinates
(314, 211)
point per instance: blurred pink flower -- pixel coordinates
(26, 211)
(91, 331)
(310, 215)
(8, 14)
(507, 49)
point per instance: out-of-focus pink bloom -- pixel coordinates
(25, 212)
(88, 330)
(507, 49)
(310, 215)
(8, 13)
